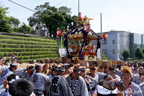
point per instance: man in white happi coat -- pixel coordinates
(77, 83)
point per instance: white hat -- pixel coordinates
(104, 91)
(14, 64)
(34, 61)
(78, 64)
(16, 78)
(65, 64)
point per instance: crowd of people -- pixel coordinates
(68, 79)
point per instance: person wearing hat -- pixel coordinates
(115, 77)
(19, 61)
(77, 83)
(34, 61)
(39, 79)
(19, 71)
(137, 76)
(59, 86)
(28, 74)
(82, 73)
(66, 66)
(61, 71)
(54, 70)
(68, 69)
(130, 88)
(8, 71)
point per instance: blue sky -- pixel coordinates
(126, 15)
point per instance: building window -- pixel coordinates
(104, 42)
(104, 51)
(113, 51)
(113, 42)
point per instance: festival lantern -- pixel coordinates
(105, 36)
(58, 33)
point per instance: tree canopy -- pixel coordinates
(4, 20)
(126, 54)
(7, 22)
(138, 53)
(14, 22)
(52, 18)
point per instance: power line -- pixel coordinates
(34, 11)
(22, 6)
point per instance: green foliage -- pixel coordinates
(64, 9)
(52, 18)
(25, 29)
(126, 54)
(28, 48)
(15, 29)
(138, 53)
(143, 51)
(4, 20)
(14, 22)
(104, 57)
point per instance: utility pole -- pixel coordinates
(78, 6)
(101, 32)
(101, 22)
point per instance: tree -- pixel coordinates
(143, 51)
(138, 53)
(65, 9)
(126, 54)
(52, 18)
(25, 28)
(4, 20)
(14, 22)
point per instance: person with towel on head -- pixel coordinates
(28, 74)
(77, 83)
(6, 84)
(8, 71)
